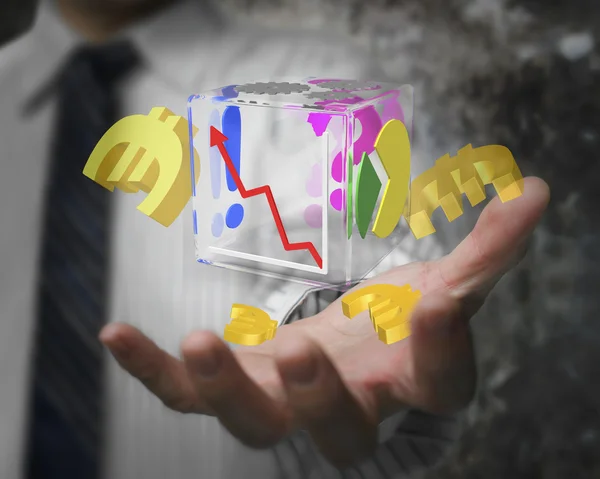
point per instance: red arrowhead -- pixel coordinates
(216, 137)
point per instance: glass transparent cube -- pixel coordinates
(276, 191)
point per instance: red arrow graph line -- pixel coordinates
(218, 139)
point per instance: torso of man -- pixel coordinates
(156, 284)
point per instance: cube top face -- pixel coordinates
(290, 186)
(311, 94)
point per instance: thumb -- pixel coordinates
(443, 372)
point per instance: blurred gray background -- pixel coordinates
(524, 74)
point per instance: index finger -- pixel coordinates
(162, 374)
(497, 242)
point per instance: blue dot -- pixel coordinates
(228, 93)
(217, 225)
(234, 215)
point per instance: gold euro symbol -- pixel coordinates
(467, 172)
(148, 153)
(389, 308)
(249, 326)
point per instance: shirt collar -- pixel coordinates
(174, 42)
(170, 42)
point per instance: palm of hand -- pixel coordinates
(365, 364)
(333, 376)
(379, 377)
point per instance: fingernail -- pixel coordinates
(207, 366)
(302, 372)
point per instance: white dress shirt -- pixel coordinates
(156, 284)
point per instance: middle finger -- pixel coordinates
(241, 405)
(340, 426)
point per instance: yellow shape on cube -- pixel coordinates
(393, 148)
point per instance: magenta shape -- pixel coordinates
(319, 122)
(337, 199)
(316, 81)
(337, 168)
(371, 126)
(314, 184)
(313, 216)
(392, 110)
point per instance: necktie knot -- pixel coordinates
(106, 64)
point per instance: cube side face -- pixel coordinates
(371, 127)
(275, 194)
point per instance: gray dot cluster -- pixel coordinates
(350, 85)
(272, 88)
(329, 95)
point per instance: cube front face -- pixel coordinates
(276, 191)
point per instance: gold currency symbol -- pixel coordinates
(249, 326)
(467, 173)
(148, 153)
(389, 308)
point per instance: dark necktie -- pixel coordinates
(65, 435)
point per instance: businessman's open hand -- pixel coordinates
(332, 376)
